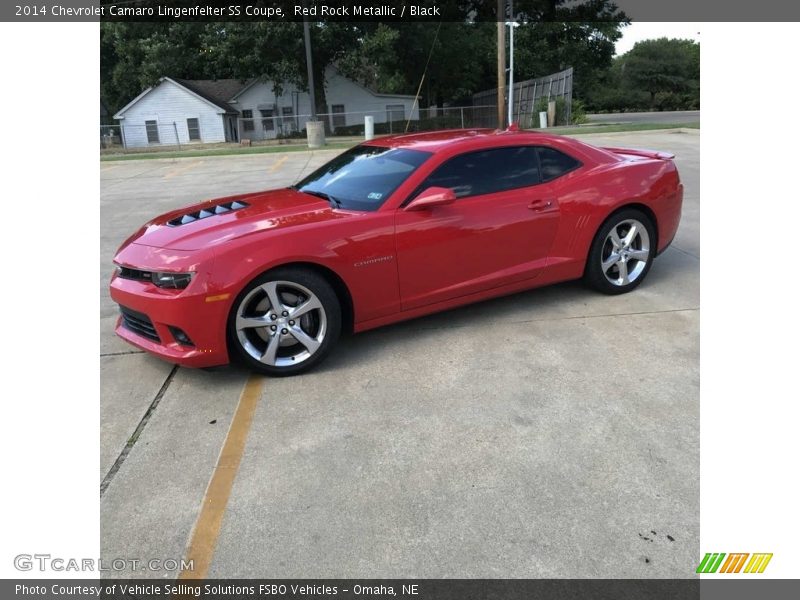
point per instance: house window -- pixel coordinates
(395, 112)
(288, 124)
(193, 125)
(247, 120)
(152, 131)
(337, 116)
(267, 122)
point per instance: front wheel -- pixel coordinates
(284, 322)
(622, 252)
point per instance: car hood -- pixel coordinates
(204, 224)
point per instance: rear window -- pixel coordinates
(555, 164)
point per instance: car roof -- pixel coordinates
(454, 141)
(434, 141)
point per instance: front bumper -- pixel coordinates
(153, 319)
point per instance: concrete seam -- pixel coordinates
(136, 432)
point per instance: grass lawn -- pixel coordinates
(600, 128)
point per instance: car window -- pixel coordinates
(555, 164)
(364, 177)
(487, 171)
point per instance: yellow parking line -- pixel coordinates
(277, 164)
(209, 520)
(182, 170)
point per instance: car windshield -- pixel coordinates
(364, 177)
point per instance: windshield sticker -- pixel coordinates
(374, 195)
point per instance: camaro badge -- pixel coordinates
(372, 261)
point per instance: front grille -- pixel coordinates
(207, 212)
(139, 323)
(135, 274)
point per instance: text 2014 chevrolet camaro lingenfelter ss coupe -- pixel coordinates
(394, 228)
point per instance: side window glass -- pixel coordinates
(555, 164)
(487, 171)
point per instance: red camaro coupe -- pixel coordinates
(392, 229)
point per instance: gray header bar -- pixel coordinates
(432, 11)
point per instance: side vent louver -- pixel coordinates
(207, 212)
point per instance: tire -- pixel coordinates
(617, 264)
(273, 342)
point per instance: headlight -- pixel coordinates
(176, 281)
(171, 280)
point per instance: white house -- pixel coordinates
(180, 111)
(227, 110)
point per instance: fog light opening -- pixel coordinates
(180, 336)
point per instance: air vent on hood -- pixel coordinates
(207, 212)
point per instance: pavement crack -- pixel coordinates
(137, 432)
(686, 252)
(124, 353)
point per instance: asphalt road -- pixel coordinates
(667, 117)
(553, 433)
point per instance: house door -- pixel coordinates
(233, 135)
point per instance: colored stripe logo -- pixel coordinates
(713, 562)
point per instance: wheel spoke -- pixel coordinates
(615, 239)
(301, 336)
(631, 235)
(250, 322)
(642, 255)
(612, 260)
(270, 354)
(309, 305)
(623, 272)
(271, 290)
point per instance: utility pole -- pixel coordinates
(511, 25)
(309, 66)
(501, 62)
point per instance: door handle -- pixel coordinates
(540, 204)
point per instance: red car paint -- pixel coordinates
(392, 263)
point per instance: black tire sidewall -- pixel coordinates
(330, 304)
(593, 274)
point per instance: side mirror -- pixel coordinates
(432, 196)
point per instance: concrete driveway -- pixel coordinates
(553, 433)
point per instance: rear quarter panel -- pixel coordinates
(590, 197)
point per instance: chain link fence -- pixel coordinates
(270, 129)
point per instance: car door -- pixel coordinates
(498, 231)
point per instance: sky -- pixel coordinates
(636, 32)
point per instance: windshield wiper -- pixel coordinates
(335, 202)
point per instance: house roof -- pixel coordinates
(216, 91)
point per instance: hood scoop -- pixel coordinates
(207, 212)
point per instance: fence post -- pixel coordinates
(462, 117)
(177, 139)
(122, 136)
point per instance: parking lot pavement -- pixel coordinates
(553, 433)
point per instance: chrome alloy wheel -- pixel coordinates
(281, 323)
(625, 252)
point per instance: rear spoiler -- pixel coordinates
(642, 153)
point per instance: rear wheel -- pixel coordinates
(622, 252)
(284, 322)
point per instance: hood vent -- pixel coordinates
(207, 212)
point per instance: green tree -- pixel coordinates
(392, 58)
(667, 67)
(134, 55)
